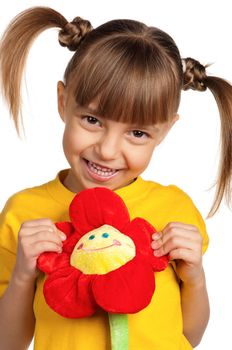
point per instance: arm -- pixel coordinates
(16, 305)
(196, 312)
(183, 243)
(17, 317)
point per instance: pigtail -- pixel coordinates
(222, 92)
(14, 49)
(195, 78)
(17, 40)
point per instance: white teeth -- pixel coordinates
(105, 172)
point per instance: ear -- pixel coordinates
(175, 118)
(61, 99)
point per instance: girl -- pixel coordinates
(118, 101)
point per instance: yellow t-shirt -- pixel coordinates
(158, 326)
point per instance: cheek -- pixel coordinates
(140, 159)
(74, 140)
(69, 142)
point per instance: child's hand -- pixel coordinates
(35, 237)
(183, 243)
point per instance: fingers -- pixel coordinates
(42, 233)
(38, 236)
(170, 243)
(186, 255)
(38, 222)
(42, 236)
(183, 243)
(44, 226)
(37, 248)
(178, 240)
(174, 224)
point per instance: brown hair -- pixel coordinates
(195, 78)
(134, 72)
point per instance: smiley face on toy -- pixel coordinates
(102, 250)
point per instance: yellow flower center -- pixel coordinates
(102, 250)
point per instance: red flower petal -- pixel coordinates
(141, 231)
(49, 262)
(72, 236)
(69, 293)
(159, 263)
(128, 289)
(65, 227)
(95, 207)
(70, 243)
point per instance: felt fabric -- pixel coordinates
(125, 289)
(102, 250)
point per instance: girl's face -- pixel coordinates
(102, 152)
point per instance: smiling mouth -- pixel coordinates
(115, 243)
(99, 172)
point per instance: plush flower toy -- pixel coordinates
(106, 262)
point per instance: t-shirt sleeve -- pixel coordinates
(8, 245)
(202, 229)
(186, 209)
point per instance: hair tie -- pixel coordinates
(73, 32)
(194, 74)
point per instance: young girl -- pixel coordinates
(118, 101)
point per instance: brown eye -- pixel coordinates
(139, 133)
(92, 120)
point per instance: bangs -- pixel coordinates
(129, 79)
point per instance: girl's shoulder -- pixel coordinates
(49, 193)
(25, 196)
(168, 192)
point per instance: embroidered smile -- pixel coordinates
(115, 243)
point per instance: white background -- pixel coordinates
(187, 158)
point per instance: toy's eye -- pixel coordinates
(91, 237)
(105, 235)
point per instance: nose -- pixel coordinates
(108, 146)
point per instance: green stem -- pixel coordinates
(119, 331)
